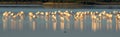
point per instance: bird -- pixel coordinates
(54, 18)
(109, 16)
(41, 13)
(5, 14)
(37, 13)
(118, 16)
(21, 14)
(30, 14)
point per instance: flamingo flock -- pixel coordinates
(96, 17)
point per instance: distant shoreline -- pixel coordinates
(83, 3)
(20, 2)
(67, 6)
(57, 5)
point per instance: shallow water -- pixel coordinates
(40, 27)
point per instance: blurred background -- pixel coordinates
(84, 2)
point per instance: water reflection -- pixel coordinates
(62, 26)
(61, 20)
(5, 20)
(117, 22)
(94, 22)
(34, 25)
(13, 24)
(20, 24)
(81, 24)
(54, 26)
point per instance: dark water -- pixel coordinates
(39, 27)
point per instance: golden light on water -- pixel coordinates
(62, 25)
(4, 23)
(20, 24)
(81, 26)
(13, 24)
(54, 26)
(94, 25)
(33, 25)
(76, 25)
(117, 22)
(62, 19)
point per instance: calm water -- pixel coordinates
(39, 27)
